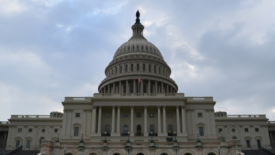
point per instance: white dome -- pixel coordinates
(138, 46)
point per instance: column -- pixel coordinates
(156, 87)
(183, 119)
(88, 126)
(113, 120)
(167, 88)
(162, 89)
(109, 89)
(132, 120)
(164, 120)
(145, 121)
(64, 123)
(99, 121)
(149, 86)
(118, 120)
(141, 86)
(135, 89)
(94, 120)
(159, 121)
(178, 120)
(127, 87)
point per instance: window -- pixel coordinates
(151, 115)
(108, 115)
(133, 47)
(245, 129)
(19, 129)
(30, 129)
(155, 69)
(138, 114)
(126, 68)
(132, 67)
(142, 47)
(143, 67)
(137, 46)
(149, 68)
(152, 129)
(125, 129)
(170, 130)
(211, 154)
(138, 130)
(77, 114)
(220, 129)
(28, 144)
(137, 67)
(201, 131)
(247, 143)
(234, 137)
(42, 138)
(120, 69)
(43, 130)
(125, 115)
(17, 143)
(257, 129)
(76, 131)
(107, 128)
(199, 114)
(187, 154)
(169, 115)
(55, 130)
(258, 142)
(233, 130)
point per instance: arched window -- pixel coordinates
(211, 154)
(125, 129)
(170, 130)
(107, 128)
(233, 130)
(164, 154)
(116, 154)
(187, 154)
(139, 130)
(152, 129)
(40, 141)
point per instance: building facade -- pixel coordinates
(138, 111)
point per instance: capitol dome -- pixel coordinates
(138, 58)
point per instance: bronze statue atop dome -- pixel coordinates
(137, 15)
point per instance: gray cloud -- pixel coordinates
(61, 48)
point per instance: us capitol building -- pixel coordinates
(138, 111)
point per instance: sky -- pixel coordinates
(50, 49)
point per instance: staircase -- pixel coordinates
(14, 151)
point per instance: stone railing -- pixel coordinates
(195, 99)
(272, 123)
(241, 116)
(4, 122)
(34, 116)
(138, 94)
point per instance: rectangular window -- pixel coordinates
(201, 131)
(77, 114)
(19, 129)
(199, 114)
(151, 115)
(143, 67)
(76, 130)
(17, 143)
(108, 115)
(137, 67)
(169, 115)
(125, 115)
(220, 130)
(138, 114)
(245, 129)
(55, 130)
(257, 129)
(30, 129)
(248, 143)
(28, 144)
(132, 67)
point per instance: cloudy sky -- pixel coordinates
(50, 49)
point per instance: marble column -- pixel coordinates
(118, 120)
(114, 88)
(135, 89)
(156, 87)
(113, 120)
(164, 119)
(109, 91)
(178, 120)
(94, 120)
(132, 121)
(120, 87)
(127, 87)
(145, 121)
(183, 119)
(149, 86)
(141, 86)
(162, 89)
(167, 88)
(159, 121)
(99, 121)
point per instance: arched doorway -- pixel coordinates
(211, 154)
(138, 130)
(187, 154)
(140, 154)
(164, 154)
(68, 154)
